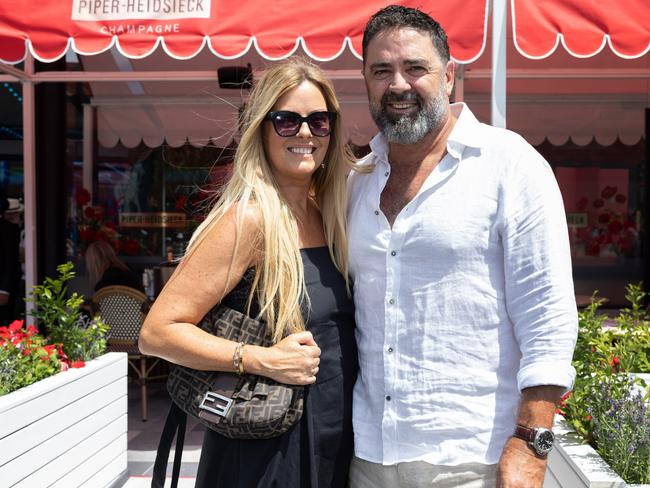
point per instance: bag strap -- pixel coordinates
(174, 425)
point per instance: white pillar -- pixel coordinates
(88, 149)
(29, 181)
(499, 18)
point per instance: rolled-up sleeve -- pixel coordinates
(539, 289)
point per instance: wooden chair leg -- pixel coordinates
(143, 387)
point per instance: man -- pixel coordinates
(466, 316)
(9, 261)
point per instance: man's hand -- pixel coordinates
(519, 467)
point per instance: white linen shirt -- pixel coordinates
(465, 301)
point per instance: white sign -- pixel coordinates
(99, 10)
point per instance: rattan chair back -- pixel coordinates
(123, 309)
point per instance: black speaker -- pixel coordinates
(237, 77)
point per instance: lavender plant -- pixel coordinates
(603, 407)
(620, 421)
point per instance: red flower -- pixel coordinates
(89, 212)
(608, 192)
(83, 196)
(16, 325)
(588, 417)
(598, 203)
(180, 203)
(31, 330)
(620, 198)
(101, 235)
(615, 361)
(626, 245)
(77, 364)
(614, 227)
(87, 235)
(604, 218)
(592, 249)
(130, 247)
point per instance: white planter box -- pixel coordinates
(67, 430)
(572, 464)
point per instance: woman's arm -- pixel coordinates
(197, 285)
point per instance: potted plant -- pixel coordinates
(63, 404)
(604, 439)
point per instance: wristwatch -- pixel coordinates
(539, 439)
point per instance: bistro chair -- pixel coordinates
(124, 309)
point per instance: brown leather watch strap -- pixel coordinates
(525, 433)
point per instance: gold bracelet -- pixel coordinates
(241, 360)
(237, 359)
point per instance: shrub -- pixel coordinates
(605, 407)
(25, 357)
(61, 315)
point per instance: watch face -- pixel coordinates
(544, 441)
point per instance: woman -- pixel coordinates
(106, 269)
(274, 246)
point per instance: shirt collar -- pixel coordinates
(467, 132)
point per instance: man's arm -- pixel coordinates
(519, 466)
(541, 305)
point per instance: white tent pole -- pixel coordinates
(88, 145)
(29, 181)
(499, 18)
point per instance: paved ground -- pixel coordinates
(143, 439)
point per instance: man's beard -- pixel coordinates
(409, 129)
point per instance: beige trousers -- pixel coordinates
(364, 474)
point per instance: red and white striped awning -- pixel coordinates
(583, 27)
(229, 28)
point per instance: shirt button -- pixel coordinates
(390, 349)
(391, 301)
(393, 253)
(376, 212)
(386, 173)
(388, 398)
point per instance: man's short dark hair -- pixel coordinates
(399, 17)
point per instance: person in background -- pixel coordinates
(10, 270)
(106, 269)
(274, 246)
(459, 254)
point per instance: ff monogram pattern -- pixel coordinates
(238, 407)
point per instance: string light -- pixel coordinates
(11, 90)
(18, 97)
(17, 135)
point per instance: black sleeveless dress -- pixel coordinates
(316, 452)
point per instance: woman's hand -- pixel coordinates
(293, 361)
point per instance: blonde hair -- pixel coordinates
(279, 281)
(100, 256)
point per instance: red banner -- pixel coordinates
(584, 27)
(230, 27)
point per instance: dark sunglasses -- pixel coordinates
(287, 124)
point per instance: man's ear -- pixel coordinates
(450, 76)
